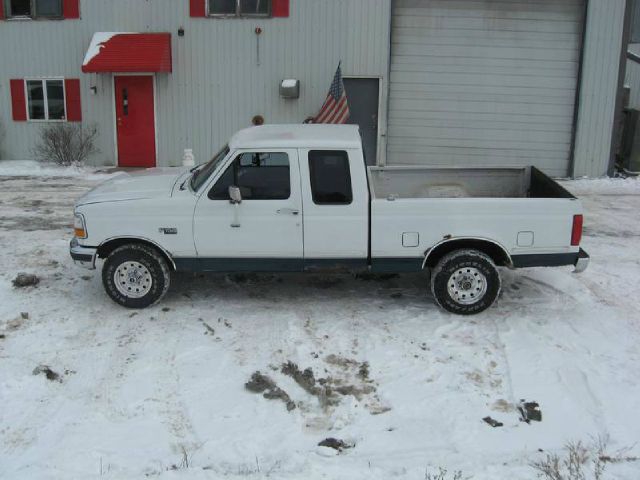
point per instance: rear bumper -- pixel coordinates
(580, 260)
(83, 256)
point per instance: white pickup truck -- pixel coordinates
(300, 198)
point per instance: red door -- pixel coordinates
(135, 121)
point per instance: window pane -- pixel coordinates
(254, 7)
(35, 98)
(220, 190)
(260, 176)
(222, 7)
(330, 177)
(20, 8)
(55, 99)
(48, 8)
(200, 176)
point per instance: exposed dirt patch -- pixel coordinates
(336, 444)
(345, 363)
(353, 378)
(358, 391)
(350, 379)
(502, 405)
(25, 280)
(17, 322)
(50, 374)
(492, 422)
(210, 329)
(260, 383)
(305, 378)
(363, 371)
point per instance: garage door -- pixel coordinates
(484, 82)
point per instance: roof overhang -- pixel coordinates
(128, 52)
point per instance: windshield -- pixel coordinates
(203, 171)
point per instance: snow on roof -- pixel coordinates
(297, 136)
(97, 43)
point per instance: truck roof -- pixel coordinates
(297, 136)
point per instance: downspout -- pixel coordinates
(615, 128)
(576, 109)
(383, 158)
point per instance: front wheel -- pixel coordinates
(465, 282)
(135, 276)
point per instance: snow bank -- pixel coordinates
(31, 168)
(602, 186)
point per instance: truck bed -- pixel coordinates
(393, 183)
(520, 209)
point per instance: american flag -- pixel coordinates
(335, 108)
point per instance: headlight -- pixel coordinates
(79, 227)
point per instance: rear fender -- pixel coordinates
(498, 253)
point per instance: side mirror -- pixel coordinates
(235, 196)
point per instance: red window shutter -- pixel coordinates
(280, 8)
(18, 103)
(71, 8)
(72, 97)
(197, 8)
(1, 10)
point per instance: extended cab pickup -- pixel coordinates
(300, 198)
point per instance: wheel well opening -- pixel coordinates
(106, 248)
(495, 252)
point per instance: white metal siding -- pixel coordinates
(216, 86)
(599, 87)
(484, 82)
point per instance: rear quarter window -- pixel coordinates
(330, 177)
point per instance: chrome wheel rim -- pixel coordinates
(132, 279)
(467, 285)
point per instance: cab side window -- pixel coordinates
(330, 177)
(260, 176)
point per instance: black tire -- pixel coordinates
(465, 282)
(154, 280)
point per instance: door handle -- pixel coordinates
(287, 211)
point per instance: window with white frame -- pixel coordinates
(239, 8)
(45, 99)
(33, 8)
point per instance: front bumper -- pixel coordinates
(83, 256)
(582, 262)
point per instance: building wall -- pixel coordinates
(217, 85)
(599, 87)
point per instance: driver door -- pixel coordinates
(264, 231)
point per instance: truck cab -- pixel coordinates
(282, 222)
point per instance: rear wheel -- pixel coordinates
(135, 276)
(465, 282)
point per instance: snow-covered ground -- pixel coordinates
(160, 393)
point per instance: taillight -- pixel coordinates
(576, 230)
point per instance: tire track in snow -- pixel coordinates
(175, 412)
